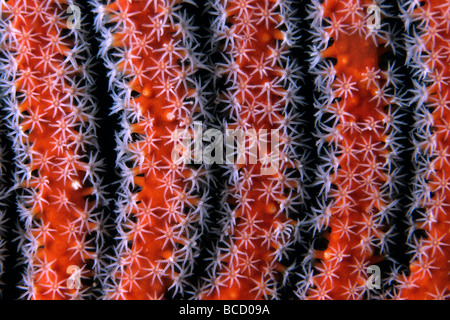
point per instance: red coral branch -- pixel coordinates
(51, 113)
(262, 198)
(357, 122)
(152, 66)
(428, 47)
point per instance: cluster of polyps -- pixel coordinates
(357, 126)
(428, 48)
(47, 85)
(147, 47)
(261, 87)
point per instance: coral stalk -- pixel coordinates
(357, 119)
(149, 51)
(428, 47)
(51, 121)
(261, 198)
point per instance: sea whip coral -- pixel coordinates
(428, 47)
(261, 198)
(163, 204)
(148, 49)
(357, 122)
(47, 83)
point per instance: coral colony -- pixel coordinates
(260, 149)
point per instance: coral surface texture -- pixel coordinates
(225, 149)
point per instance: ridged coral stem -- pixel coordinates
(357, 131)
(148, 48)
(428, 47)
(51, 121)
(259, 208)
